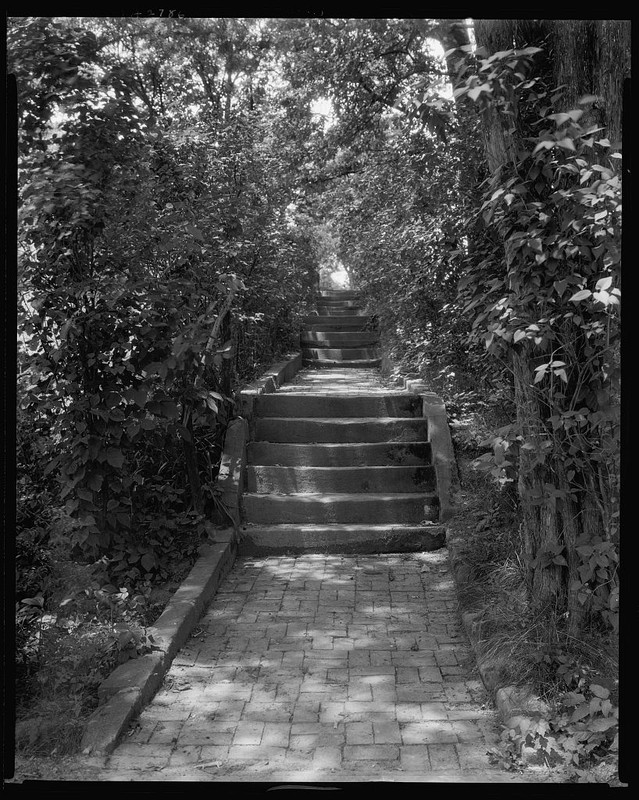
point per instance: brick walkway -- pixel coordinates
(319, 667)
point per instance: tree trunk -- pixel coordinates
(591, 57)
(191, 462)
(540, 518)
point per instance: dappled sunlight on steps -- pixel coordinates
(338, 462)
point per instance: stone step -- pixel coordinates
(331, 323)
(331, 363)
(322, 509)
(339, 455)
(339, 353)
(339, 480)
(338, 306)
(391, 538)
(337, 381)
(322, 405)
(338, 338)
(339, 297)
(339, 311)
(336, 429)
(338, 294)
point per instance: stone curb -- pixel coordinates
(269, 382)
(517, 706)
(132, 685)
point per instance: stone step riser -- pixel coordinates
(337, 339)
(391, 405)
(338, 509)
(273, 429)
(333, 480)
(277, 539)
(333, 364)
(338, 311)
(328, 323)
(339, 353)
(338, 304)
(336, 294)
(339, 455)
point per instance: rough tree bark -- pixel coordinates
(590, 57)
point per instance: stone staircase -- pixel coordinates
(340, 334)
(337, 462)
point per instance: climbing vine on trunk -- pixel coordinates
(546, 303)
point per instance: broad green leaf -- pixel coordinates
(546, 144)
(603, 283)
(581, 295)
(600, 725)
(95, 481)
(140, 396)
(169, 409)
(535, 244)
(115, 457)
(566, 143)
(148, 561)
(580, 712)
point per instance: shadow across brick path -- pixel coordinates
(320, 667)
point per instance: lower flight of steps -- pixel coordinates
(340, 333)
(339, 472)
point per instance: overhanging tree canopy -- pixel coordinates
(176, 193)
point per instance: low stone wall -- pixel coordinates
(269, 382)
(434, 410)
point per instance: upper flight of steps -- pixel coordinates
(337, 462)
(339, 335)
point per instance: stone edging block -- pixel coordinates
(132, 685)
(517, 706)
(269, 382)
(434, 410)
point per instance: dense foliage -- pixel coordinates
(162, 262)
(147, 244)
